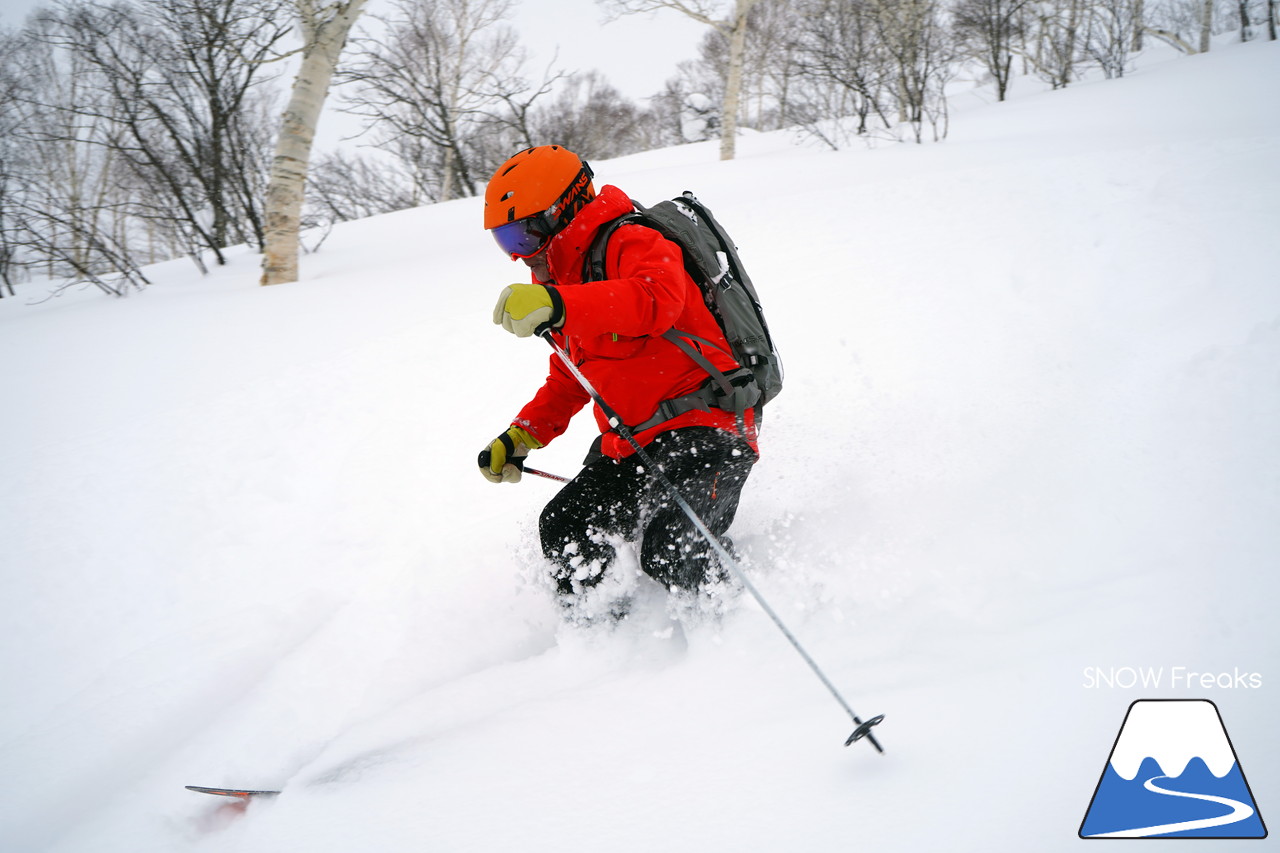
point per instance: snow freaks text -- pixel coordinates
(1171, 678)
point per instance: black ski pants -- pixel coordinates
(619, 498)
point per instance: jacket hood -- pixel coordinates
(567, 249)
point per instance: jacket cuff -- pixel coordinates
(526, 426)
(557, 307)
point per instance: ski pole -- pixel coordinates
(726, 559)
(547, 474)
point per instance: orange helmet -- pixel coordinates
(533, 195)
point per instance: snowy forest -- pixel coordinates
(138, 131)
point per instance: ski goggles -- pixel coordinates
(523, 238)
(526, 237)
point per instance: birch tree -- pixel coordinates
(769, 67)
(10, 155)
(731, 18)
(65, 204)
(324, 34)
(911, 32)
(1111, 34)
(1206, 25)
(1174, 22)
(1059, 33)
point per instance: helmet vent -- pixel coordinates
(548, 177)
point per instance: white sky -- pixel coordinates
(637, 53)
(12, 12)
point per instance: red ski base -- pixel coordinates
(239, 793)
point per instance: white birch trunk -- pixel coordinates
(733, 80)
(323, 40)
(1206, 26)
(734, 26)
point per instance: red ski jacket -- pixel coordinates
(613, 332)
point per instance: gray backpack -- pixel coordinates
(711, 259)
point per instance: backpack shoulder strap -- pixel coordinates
(594, 270)
(593, 264)
(732, 392)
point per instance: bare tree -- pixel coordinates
(843, 68)
(344, 186)
(436, 74)
(729, 17)
(1214, 16)
(179, 80)
(913, 35)
(62, 197)
(990, 31)
(324, 34)
(1111, 35)
(769, 67)
(10, 156)
(687, 109)
(1057, 39)
(663, 117)
(1175, 22)
(9, 262)
(591, 117)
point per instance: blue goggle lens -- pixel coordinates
(520, 239)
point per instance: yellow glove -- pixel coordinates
(527, 309)
(503, 460)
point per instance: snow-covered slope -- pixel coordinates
(1030, 427)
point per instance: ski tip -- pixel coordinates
(864, 731)
(240, 793)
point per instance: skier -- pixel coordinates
(541, 207)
